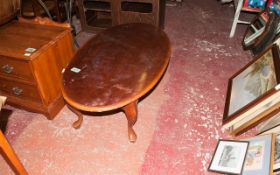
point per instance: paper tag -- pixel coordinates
(76, 70)
(277, 87)
(30, 49)
(27, 54)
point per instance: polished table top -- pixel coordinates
(116, 67)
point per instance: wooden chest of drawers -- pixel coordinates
(31, 79)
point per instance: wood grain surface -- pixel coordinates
(117, 67)
(31, 80)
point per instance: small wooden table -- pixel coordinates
(114, 69)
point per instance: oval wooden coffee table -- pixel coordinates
(114, 69)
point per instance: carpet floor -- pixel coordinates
(179, 122)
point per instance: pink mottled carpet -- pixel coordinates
(179, 122)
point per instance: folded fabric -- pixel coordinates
(275, 6)
(257, 3)
(2, 101)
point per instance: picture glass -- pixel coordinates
(251, 83)
(255, 156)
(258, 156)
(276, 166)
(269, 124)
(229, 157)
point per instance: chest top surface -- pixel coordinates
(16, 37)
(116, 67)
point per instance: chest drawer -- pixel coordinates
(20, 90)
(17, 68)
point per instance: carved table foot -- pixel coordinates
(77, 124)
(131, 115)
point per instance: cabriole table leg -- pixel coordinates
(77, 124)
(131, 115)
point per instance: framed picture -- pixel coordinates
(261, 32)
(259, 156)
(272, 125)
(229, 156)
(254, 32)
(276, 166)
(253, 89)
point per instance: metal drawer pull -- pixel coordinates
(7, 68)
(17, 90)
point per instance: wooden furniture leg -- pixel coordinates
(10, 156)
(7, 151)
(131, 115)
(77, 124)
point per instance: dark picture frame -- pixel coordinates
(261, 32)
(229, 156)
(251, 90)
(255, 30)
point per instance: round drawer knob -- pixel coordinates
(17, 90)
(7, 69)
